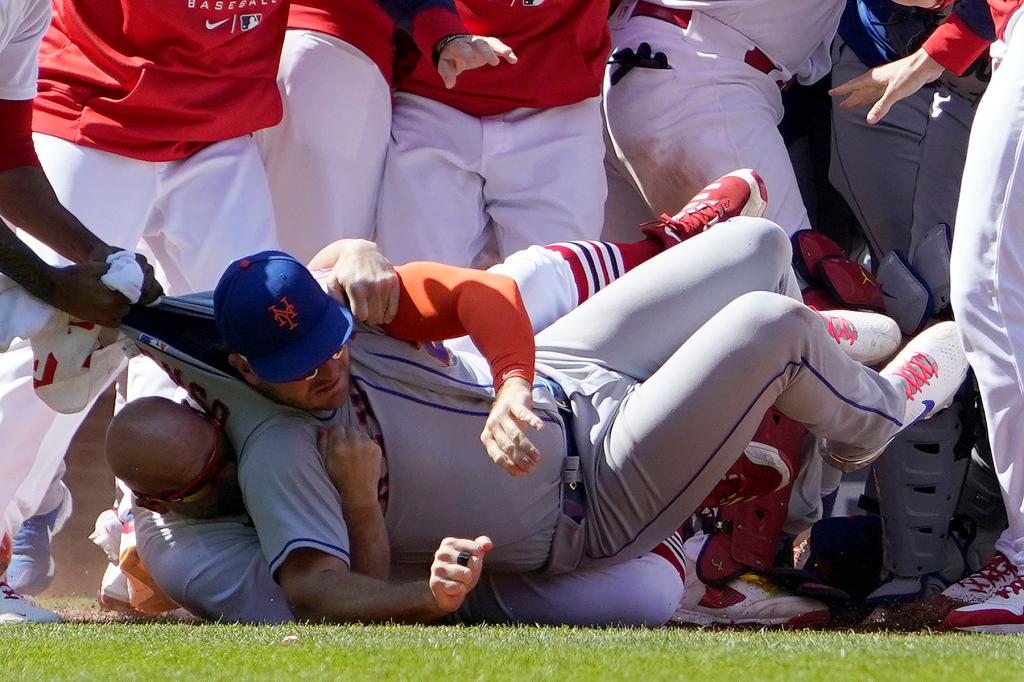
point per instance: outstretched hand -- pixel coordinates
(883, 86)
(470, 52)
(504, 435)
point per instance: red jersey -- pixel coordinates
(1002, 10)
(562, 47)
(159, 81)
(360, 23)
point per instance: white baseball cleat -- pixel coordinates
(749, 600)
(739, 193)
(982, 584)
(868, 338)
(1001, 613)
(929, 371)
(16, 608)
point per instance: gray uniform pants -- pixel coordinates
(703, 340)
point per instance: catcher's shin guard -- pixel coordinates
(919, 477)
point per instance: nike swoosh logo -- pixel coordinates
(214, 24)
(929, 405)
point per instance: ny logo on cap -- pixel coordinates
(285, 315)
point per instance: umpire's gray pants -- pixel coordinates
(701, 342)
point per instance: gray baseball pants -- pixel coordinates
(703, 339)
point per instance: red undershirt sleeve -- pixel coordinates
(954, 45)
(431, 25)
(16, 148)
(439, 302)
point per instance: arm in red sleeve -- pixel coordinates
(954, 45)
(16, 148)
(443, 302)
(430, 26)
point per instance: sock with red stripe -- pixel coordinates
(671, 550)
(596, 264)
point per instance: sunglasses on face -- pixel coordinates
(336, 356)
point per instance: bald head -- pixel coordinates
(156, 445)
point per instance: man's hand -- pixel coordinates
(470, 52)
(352, 460)
(364, 280)
(887, 84)
(450, 581)
(504, 434)
(77, 290)
(151, 289)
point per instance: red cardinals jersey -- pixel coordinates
(562, 46)
(360, 23)
(159, 80)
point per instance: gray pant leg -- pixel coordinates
(215, 569)
(677, 434)
(642, 592)
(635, 325)
(900, 176)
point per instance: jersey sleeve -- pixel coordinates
(962, 37)
(441, 302)
(288, 494)
(18, 58)
(427, 21)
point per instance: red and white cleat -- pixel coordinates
(1002, 612)
(980, 585)
(740, 193)
(868, 338)
(929, 371)
(749, 600)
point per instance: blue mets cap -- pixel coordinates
(269, 309)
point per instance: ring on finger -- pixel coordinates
(463, 558)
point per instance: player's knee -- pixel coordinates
(661, 595)
(761, 242)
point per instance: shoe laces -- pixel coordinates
(691, 221)
(989, 575)
(1016, 586)
(8, 591)
(916, 372)
(839, 328)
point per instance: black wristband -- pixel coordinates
(444, 42)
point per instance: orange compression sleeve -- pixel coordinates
(441, 302)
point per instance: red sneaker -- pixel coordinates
(1002, 612)
(740, 193)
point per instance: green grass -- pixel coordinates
(117, 651)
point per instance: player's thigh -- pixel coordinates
(431, 204)
(546, 182)
(214, 569)
(634, 325)
(642, 592)
(112, 195)
(724, 122)
(215, 207)
(325, 159)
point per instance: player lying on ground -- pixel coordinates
(696, 343)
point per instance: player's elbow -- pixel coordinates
(306, 577)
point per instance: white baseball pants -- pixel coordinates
(536, 176)
(205, 211)
(325, 158)
(987, 274)
(677, 129)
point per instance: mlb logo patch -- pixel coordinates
(247, 22)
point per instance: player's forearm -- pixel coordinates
(337, 595)
(28, 201)
(21, 264)
(371, 554)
